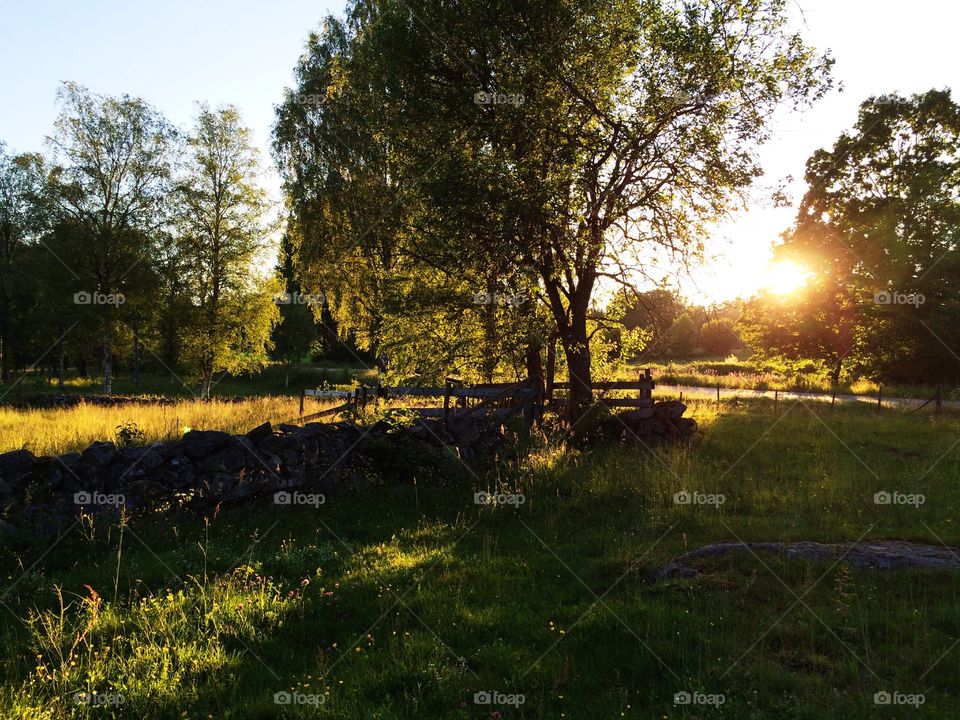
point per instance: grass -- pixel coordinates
(741, 374)
(54, 431)
(275, 379)
(403, 601)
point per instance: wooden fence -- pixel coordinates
(642, 404)
(525, 397)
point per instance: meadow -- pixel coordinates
(411, 601)
(737, 372)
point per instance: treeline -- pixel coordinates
(878, 228)
(134, 242)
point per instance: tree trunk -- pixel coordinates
(534, 361)
(136, 354)
(577, 352)
(835, 373)
(551, 370)
(5, 346)
(107, 338)
(60, 361)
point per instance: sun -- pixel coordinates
(785, 277)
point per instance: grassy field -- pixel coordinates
(742, 374)
(275, 379)
(406, 601)
(54, 431)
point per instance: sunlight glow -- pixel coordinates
(785, 277)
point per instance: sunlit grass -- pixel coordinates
(59, 430)
(417, 598)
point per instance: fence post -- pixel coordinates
(446, 400)
(776, 401)
(718, 393)
(303, 394)
(879, 398)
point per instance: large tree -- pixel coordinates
(878, 227)
(585, 132)
(112, 176)
(223, 230)
(22, 219)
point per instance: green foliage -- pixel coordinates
(222, 232)
(718, 337)
(877, 228)
(617, 137)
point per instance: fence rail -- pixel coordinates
(456, 396)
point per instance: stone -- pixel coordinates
(99, 454)
(669, 409)
(260, 432)
(273, 444)
(200, 443)
(16, 464)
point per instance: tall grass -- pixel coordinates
(53, 431)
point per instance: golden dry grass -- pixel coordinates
(51, 431)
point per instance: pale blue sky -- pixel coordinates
(172, 53)
(243, 52)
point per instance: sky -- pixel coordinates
(242, 52)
